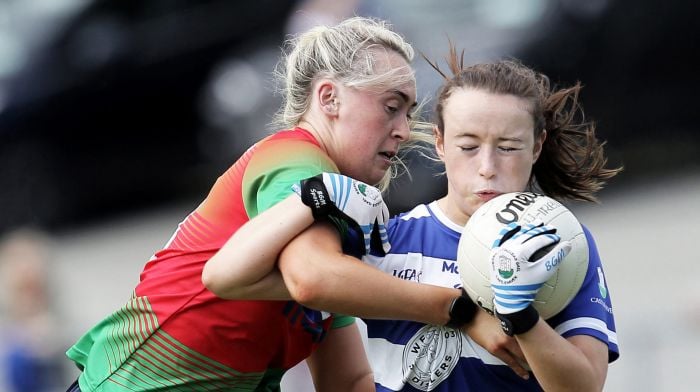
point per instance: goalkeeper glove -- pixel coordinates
(359, 204)
(518, 271)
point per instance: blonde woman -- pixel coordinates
(349, 92)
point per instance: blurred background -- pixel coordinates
(117, 116)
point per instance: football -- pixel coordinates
(483, 228)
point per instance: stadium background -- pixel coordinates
(115, 116)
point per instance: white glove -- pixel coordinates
(357, 203)
(515, 279)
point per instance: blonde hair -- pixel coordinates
(347, 53)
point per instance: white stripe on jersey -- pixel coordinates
(587, 322)
(420, 211)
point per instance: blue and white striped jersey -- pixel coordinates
(411, 356)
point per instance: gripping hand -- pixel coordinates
(359, 204)
(518, 271)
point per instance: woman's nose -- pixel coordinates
(487, 164)
(402, 131)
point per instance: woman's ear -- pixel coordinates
(539, 142)
(328, 97)
(439, 142)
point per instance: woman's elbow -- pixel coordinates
(209, 280)
(215, 282)
(305, 288)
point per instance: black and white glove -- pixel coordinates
(359, 204)
(516, 278)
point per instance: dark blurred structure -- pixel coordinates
(130, 103)
(636, 60)
(104, 113)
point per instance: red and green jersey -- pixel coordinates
(173, 333)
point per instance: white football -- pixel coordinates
(483, 228)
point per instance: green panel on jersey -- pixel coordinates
(139, 356)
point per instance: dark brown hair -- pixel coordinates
(572, 162)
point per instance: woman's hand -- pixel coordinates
(486, 331)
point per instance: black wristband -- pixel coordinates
(315, 195)
(462, 311)
(520, 321)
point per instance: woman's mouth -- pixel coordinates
(487, 195)
(387, 156)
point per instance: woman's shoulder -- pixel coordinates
(420, 211)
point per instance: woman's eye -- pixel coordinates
(467, 148)
(391, 109)
(508, 149)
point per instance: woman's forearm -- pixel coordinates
(240, 269)
(319, 276)
(555, 359)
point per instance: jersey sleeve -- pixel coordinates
(279, 164)
(275, 167)
(590, 312)
(340, 321)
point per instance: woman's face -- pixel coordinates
(488, 147)
(369, 125)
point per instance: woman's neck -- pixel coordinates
(452, 211)
(314, 131)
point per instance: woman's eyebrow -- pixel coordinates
(403, 96)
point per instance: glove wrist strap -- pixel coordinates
(315, 195)
(462, 311)
(520, 321)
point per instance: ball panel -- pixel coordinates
(470, 249)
